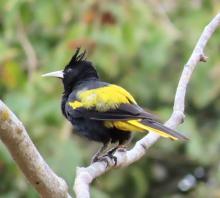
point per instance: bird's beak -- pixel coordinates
(58, 74)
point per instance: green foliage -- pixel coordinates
(141, 45)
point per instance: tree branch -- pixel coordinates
(84, 176)
(25, 154)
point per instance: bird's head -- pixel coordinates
(78, 69)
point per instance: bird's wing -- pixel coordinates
(118, 109)
(107, 103)
(122, 112)
(103, 98)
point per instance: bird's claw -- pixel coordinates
(109, 157)
(106, 158)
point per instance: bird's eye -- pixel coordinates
(68, 70)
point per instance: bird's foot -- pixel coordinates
(104, 158)
(110, 156)
(107, 158)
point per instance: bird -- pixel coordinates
(103, 112)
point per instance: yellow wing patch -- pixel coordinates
(75, 104)
(103, 98)
(123, 125)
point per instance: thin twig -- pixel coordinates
(84, 176)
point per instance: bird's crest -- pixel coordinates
(77, 58)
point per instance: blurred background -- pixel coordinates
(140, 45)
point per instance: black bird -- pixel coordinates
(103, 112)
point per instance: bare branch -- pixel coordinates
(86, 175)
(36, 170)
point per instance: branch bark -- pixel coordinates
(25, 154)
(84, 176)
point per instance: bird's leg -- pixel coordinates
(120, 147)
(110, 154)
(112, 150)
(96, 157)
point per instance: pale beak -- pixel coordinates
(58, 74)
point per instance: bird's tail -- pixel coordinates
(147, 125)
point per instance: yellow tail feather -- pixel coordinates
(145, 127)
(136, 126)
